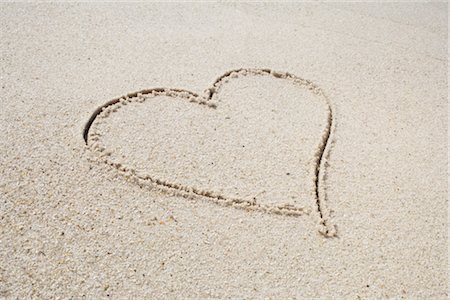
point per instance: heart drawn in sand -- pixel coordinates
(257, 139)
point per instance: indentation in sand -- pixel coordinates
(257, 139)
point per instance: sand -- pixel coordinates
(273, 151)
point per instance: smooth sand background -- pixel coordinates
(71, 227)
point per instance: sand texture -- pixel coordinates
(225, 151)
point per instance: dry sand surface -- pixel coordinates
(273, 151)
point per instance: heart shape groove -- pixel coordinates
(249, 142)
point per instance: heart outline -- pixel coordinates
(321, 156)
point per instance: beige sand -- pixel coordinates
(329, 181)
